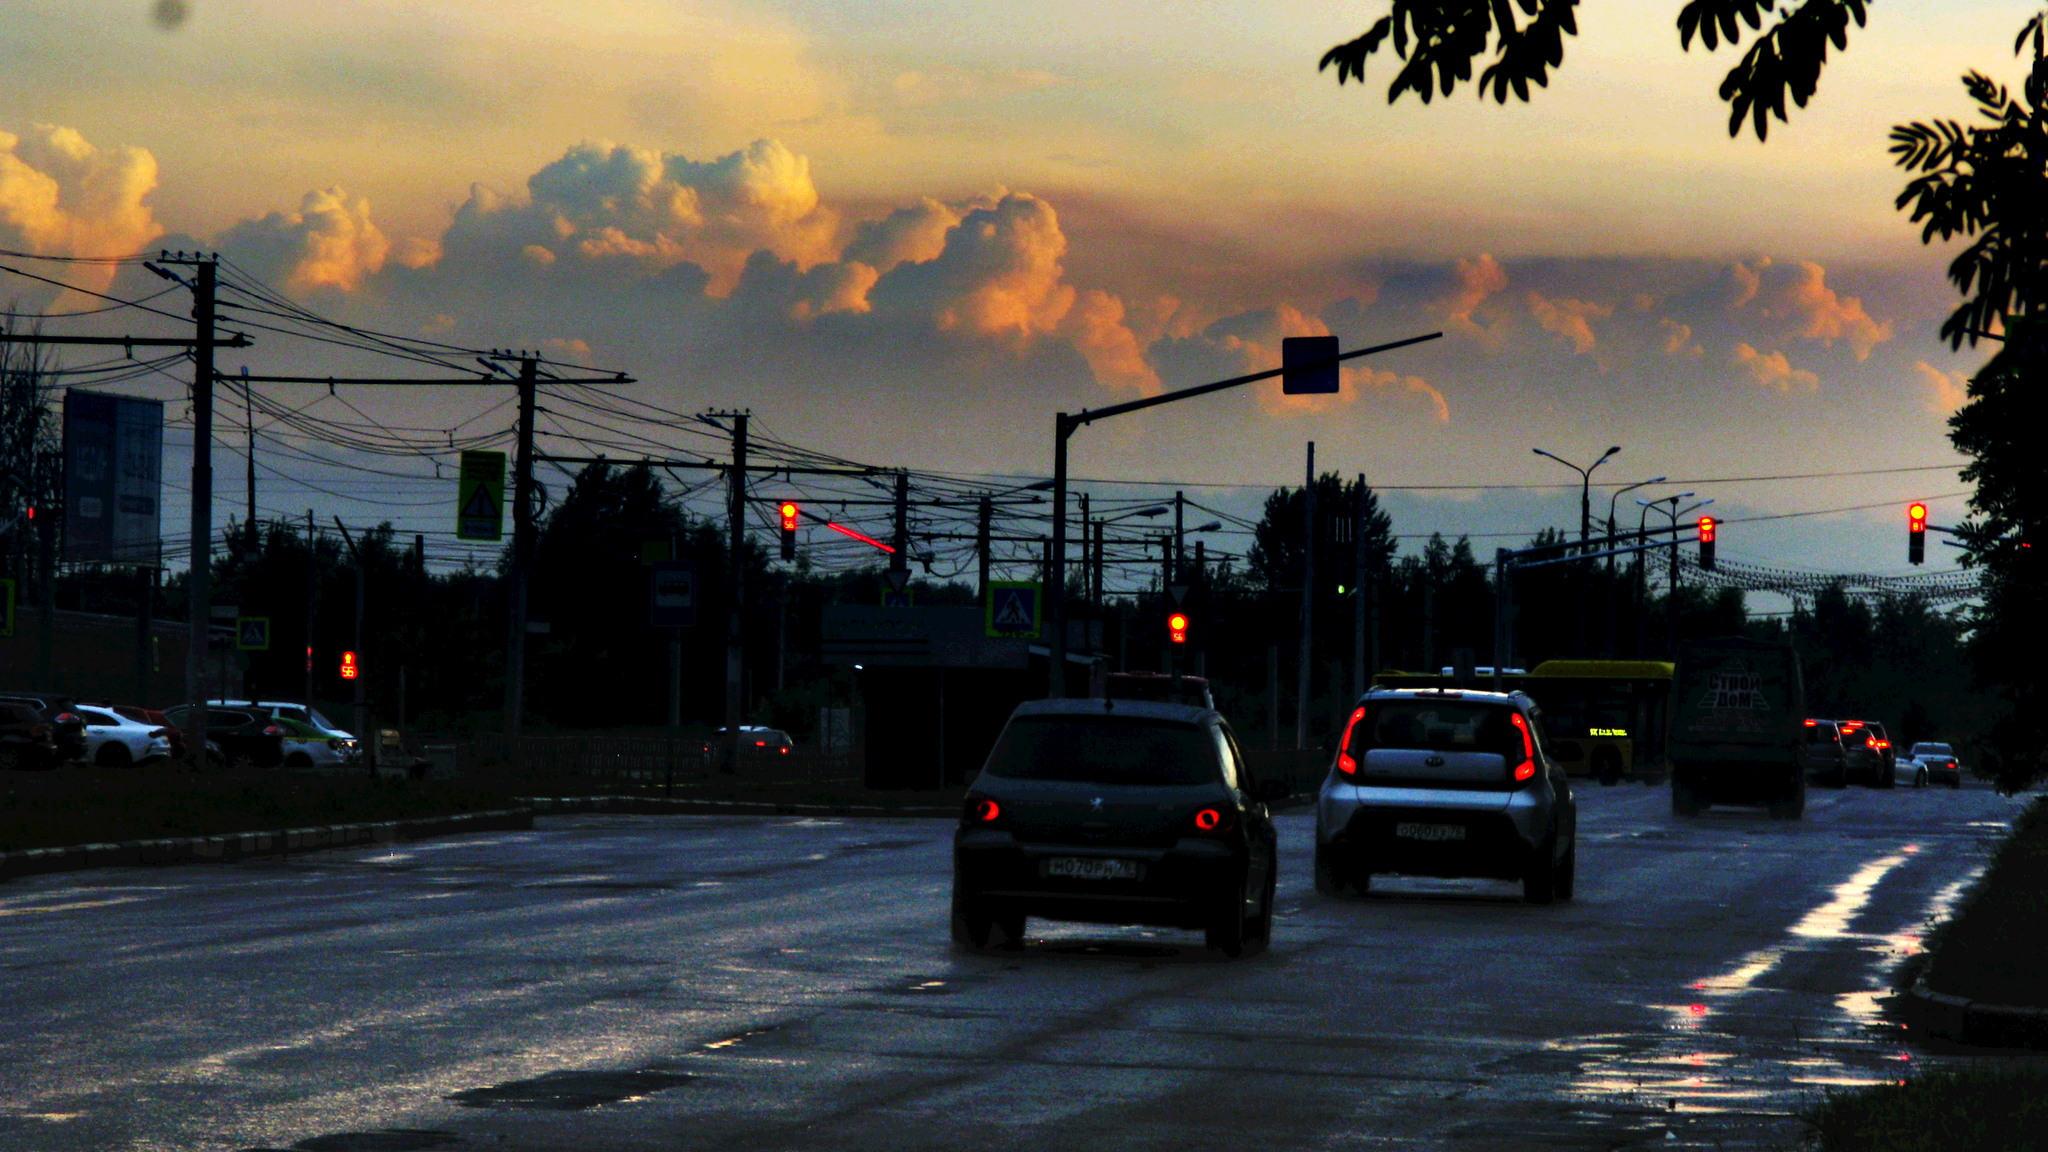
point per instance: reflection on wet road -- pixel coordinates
(699, 982)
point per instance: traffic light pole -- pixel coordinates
(1064, 427)
(522, 557)
(1508, 561)
(1308, 603)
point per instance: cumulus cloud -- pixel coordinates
(1569, 318)
(1379, 381)
(1477, 280)
(998, 273)
(330, 242)
(1773, 370)
(61, 195)
(1946, 391)
(603, 203)
(1097, 328)
(1746, 281)
(1678, 339)
(1829, 317)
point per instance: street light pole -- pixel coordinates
(1612, 497)
(1585, 523)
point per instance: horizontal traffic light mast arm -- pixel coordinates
(238, 340)
(1089, 416)
(713, 465)
(1582, 557)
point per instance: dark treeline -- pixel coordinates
(600, 665)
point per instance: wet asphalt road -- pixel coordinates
(630, 982)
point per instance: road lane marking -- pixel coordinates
(75, 904)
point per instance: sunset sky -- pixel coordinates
(908, 232)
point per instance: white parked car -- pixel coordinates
(311, 740)
(115, 741)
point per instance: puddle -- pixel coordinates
(381, 1140)
(728, 1041)
(570, 1091)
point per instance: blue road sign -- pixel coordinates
(1307, 350)
(1013, 608)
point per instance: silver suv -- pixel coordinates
(1429, 782)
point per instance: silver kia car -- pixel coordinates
(1446, 783)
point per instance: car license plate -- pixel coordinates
(1092, 868)
(1430, 831)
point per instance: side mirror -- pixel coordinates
(1271, 791)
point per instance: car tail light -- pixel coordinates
(273, 730)
(1526, 770)
(784, 751)
(68, 718)
(1813, 723)
(1211, 821)
(1345, 762)
(156, 732)
(983, 811)
(39, 732)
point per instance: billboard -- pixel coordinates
(113, 470)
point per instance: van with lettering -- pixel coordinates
(1738, 724)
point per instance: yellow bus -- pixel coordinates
(1608, 719)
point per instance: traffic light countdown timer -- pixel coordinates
(349, 668)
(1916, 533)
(789, 515)
(1177, 627)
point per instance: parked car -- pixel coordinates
(1822, 756)
(756, 743)
(306, 715)
(307, 746)
(1861, 759)
(1115, 812)
(1432, 782)
(1936, 763)
(1882, 741)
(152, 717)
(25, 740)
(60, 712)
(114, 741)
(237, 737)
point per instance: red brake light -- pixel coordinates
(784, 751)
(1212, 820)
(1527, 768)
(981, 810)
(273, 730)
(1345, 762)
(1812, 723)
(68, 718)
(760, 743)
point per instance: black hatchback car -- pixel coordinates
(1116, 812)
(246, 739)
(25, 740)
(60, 712)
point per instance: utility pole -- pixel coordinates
(522, 557)
(899, 560)
(249, 430)
(736, 543)
(1180, 504)
(1087, 586)
(1308, 600)
(1359, 582)
(981, 530)
(312, 597)
(46, 576)
(199, 584)
(145, 611)
(1101, 529)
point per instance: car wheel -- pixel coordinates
(1539, 879)
(1329, 879)
(1793, 806)
(1920, 779)
(972, 923)
(1566, 880)
(1956, 783)
(112, 755)
(1607, 766)
(1684, 802)
(1261, 930)
(11, 758)
(1226, 931)
(1884, 778)
(298, 760)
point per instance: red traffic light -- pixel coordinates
(1916, 517)
(349, 669)
(1706, 529)
(1916, 533)
(1177, 627)
(789, 513)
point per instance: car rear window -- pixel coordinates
(1105, 750)
(1932, 750)
(1437, 726)
(18, 714)
(1821, 734)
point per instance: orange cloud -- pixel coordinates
(1773, 370)
(1097, 329)
(61, 195)
(1678, 339)
(1830, 317)
(1747, 280)
(1477, 280)
(1568, 318)
(1392, 382)
(1946, 391)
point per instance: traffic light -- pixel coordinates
(1177, 627)
(1707, 543)
(789, 511)
(1916, 533)
(348, 666)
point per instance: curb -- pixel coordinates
(247, 845)
(659, 805)
(1974, 1022)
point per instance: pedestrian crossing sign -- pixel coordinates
(480, 497)
(1013, 609)
(252, 633)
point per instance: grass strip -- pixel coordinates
(1983, 1110)
(1995, 949)
(98, 805)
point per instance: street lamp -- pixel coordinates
(1611, 542)
(1585, 523)
(1671, 511)
(1642, 561)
